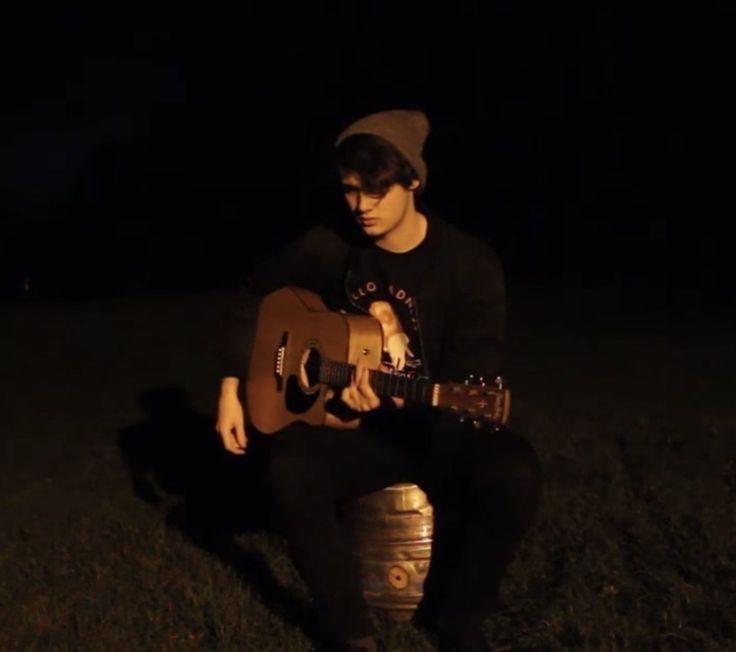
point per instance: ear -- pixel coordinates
(414, 184)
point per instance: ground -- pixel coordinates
(124, 526)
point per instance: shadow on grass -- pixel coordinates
(175, 452)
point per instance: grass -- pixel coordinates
(124, 527)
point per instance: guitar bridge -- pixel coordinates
(279, 361)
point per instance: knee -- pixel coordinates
(524, 478)
(512, 469)
(292, 481)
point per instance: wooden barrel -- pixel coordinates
(392, 533)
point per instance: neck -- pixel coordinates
(409, 233)
(419, 389)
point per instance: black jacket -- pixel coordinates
(460, 303)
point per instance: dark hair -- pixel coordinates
(377, 163)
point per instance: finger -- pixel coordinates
(229, 440)
(345, 396)
(240, 436)
(355, 400)
(368, 398)
(357, 371)
(349, 397)
(233, 445)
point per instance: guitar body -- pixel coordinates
(293, 324)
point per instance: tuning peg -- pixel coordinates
(469, 379)
(499, 382)
(482, 381)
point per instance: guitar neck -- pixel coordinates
(417, 390)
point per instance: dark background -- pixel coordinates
(588, 142)
(156, 157)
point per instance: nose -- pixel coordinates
(364, 202)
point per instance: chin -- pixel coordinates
(373, 231)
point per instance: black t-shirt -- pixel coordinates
(386, 287)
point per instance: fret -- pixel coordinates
(374, 380)
(425, 391)
(416, 390)
(339, 374)
(289, 315)
(393, 382)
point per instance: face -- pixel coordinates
(378, 215)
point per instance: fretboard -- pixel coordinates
(339, 374)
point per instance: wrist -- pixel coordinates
(229, 386)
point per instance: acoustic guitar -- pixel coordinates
(301, 349)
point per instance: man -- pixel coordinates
(439, 296)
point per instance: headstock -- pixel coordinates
(477, 401)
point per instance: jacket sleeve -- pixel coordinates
(474, 336)
(311, 262)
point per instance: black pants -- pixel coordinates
(484, 487)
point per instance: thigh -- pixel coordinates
(465, 464)
(344, 464)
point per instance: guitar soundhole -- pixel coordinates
(296, 399)
(302, 390)
(311, 360)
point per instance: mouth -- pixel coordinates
(368, 221)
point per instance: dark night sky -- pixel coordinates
(139, 151)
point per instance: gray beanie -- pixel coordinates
(406, 130)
